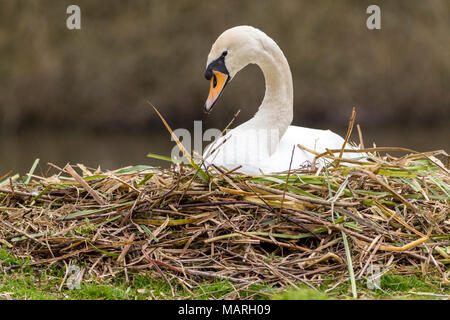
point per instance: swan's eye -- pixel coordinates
(214, 81)
(224, 53)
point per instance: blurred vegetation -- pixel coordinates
(129, 51)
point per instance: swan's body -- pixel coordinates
(243, 149)
(265, 143)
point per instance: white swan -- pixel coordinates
(264, 144)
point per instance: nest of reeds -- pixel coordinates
(192, 225)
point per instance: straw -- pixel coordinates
(277, 230)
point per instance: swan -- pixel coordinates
(265, 144)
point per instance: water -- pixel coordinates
(106, 151)
(114, 151)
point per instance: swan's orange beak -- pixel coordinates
(218, 82)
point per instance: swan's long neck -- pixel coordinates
(276, 109)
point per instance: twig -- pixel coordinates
(84, 184)
(347, 136)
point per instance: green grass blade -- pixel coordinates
(350, 265)
(134, 169)
(149, 232)
(30, 173)
(164, 158)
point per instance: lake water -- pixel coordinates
(114, 151)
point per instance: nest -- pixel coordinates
(188, 225)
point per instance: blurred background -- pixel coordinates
(80, 96)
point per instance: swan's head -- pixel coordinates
(232, 51)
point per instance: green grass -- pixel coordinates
(43, 284)
(395, 286)
(26, 285)
(303, 293)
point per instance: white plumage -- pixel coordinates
(264, 144)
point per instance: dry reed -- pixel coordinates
(191, 225)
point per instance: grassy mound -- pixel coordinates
(190, 225)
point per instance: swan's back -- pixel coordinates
(314, 139)
(246, 148)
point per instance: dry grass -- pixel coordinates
(188, 224)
